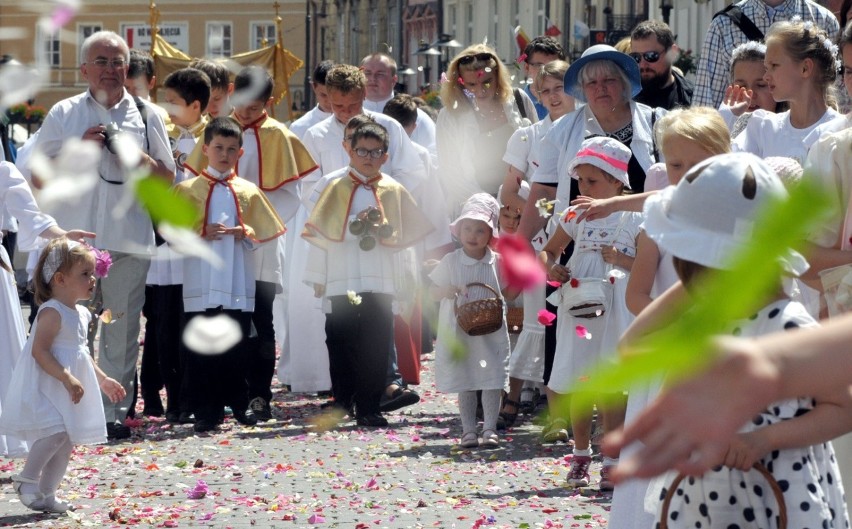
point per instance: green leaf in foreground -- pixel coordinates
(163, 204)
(719, 299)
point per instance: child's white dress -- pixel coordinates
(484, 359)
(809, 477)
(574, 353)
(37, 405)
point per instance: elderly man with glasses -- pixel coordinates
(653, 48)
(128, 235)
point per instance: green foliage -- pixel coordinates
(687, 61)
(164, 205)
(716, 302)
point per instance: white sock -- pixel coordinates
(490, 408)
(467, 410)
(55, 468)
(587, 452)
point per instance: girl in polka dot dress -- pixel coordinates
(701, 223)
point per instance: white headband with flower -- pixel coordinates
(53, 261)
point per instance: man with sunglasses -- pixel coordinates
(653, 48)
(104, 59)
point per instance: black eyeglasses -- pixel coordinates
(467, 59)
(375, 154)
(649, 56)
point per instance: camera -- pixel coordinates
(111, 133)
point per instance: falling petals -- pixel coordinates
(67, 177)
(545, 207)
(583, 332)
(353, 297)
(554, 284)
(522, 57)
(574, 282)
(570, 215)
(519, 264)
(212, 335)
(187, 242)
(546, 318)
(108, 317)
(616, 274)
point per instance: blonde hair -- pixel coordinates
(452, 91)
(702, 125)
(624, 45)
(555, 69)
(69, 256)
(804, 40)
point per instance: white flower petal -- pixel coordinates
(189, 243)
(212, 336)
(19, 83)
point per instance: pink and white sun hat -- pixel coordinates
(607, 154)
(480, 206)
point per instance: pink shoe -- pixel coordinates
(606, 481)
(578, 475)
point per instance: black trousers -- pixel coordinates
(261, 348)
(359, 340)
(216, 381)
(170, 356)
(149, 372)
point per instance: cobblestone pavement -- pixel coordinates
(283, 474)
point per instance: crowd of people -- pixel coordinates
(351, 240)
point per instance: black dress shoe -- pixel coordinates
(202, 426)
(247, 417)
(116, 430)
(400, 398)
(173, 417)
(261, 408)
(373, 420)
(186, 417)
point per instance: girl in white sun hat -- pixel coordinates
(592, 310)
(482, 364)
(703, 222)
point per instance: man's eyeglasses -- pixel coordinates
(375, 154)
(649, 56)
(483, 57)
(115, 63)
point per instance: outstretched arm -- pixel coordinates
(690, 425)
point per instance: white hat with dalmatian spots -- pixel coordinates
(709, 216)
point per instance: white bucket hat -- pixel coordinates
(480, 206)
(607, 154)
(709, 216)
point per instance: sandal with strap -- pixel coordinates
(556, 431)
(490, 439)
(507, 419)
(52, 505)
(469, 440)
(30, 500)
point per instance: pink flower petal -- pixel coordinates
(519, 264)
(316, 518)
(545, 317)
(583, 332)
(554, 284)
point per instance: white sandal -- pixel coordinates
(469, 440)
(30, 500)
(490, 439)
(53, 505)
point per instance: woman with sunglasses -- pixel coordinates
(479, 116)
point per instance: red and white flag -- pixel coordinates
(550, 28)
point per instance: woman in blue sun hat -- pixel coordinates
(606, 80)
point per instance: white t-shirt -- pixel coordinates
(771, 134)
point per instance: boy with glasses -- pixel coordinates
(653, 48)
(357, 227)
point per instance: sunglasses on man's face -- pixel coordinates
(649, 56)
(482, 57)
